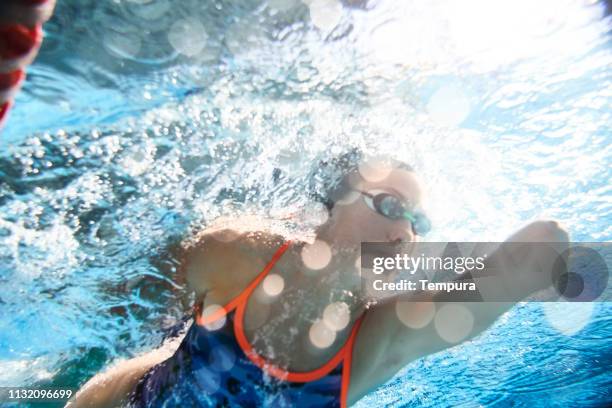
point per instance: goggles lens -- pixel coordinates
(392, 207)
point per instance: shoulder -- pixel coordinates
(241, 247)
(247, 234)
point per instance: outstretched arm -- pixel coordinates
(20, 39)
(386, 344)
(112, 387)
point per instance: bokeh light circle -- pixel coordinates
(273, 285)
(320, 335)
(453, 322)
(568, 318)
(336, 316)
(188, 37)
(415, 315)
(316, 255)
(221, 358)
(209, 312)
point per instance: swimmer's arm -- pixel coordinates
(385, 345)
(113, 387)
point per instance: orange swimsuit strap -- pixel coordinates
(239, 304)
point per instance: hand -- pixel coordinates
(20, 39)
(529, 268)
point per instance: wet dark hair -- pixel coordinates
(329, 181)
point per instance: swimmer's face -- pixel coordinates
(355, 220)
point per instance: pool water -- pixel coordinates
(142, 120)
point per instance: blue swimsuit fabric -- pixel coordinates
(210, 369)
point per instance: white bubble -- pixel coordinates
(415, 315)
(222, 358)
(453, 322)
(188, 37)
(320, 335)
(568, 317)
(336, 316)
(317, 255)
(273, 284)
(449, 105)
(375, 170)
(325, 14)
(213, 313)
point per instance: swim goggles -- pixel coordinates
(392, 207)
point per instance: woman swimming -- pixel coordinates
(282, 320)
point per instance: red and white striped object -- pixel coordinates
(20, 39)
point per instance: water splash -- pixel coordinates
(128, 136)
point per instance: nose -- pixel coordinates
(399, 235)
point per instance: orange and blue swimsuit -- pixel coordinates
(220, 368)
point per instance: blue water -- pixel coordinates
(126, 137)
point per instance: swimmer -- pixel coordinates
(20, 40)
(280, 320)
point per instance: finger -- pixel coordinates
(25, 12)
(18, 46)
